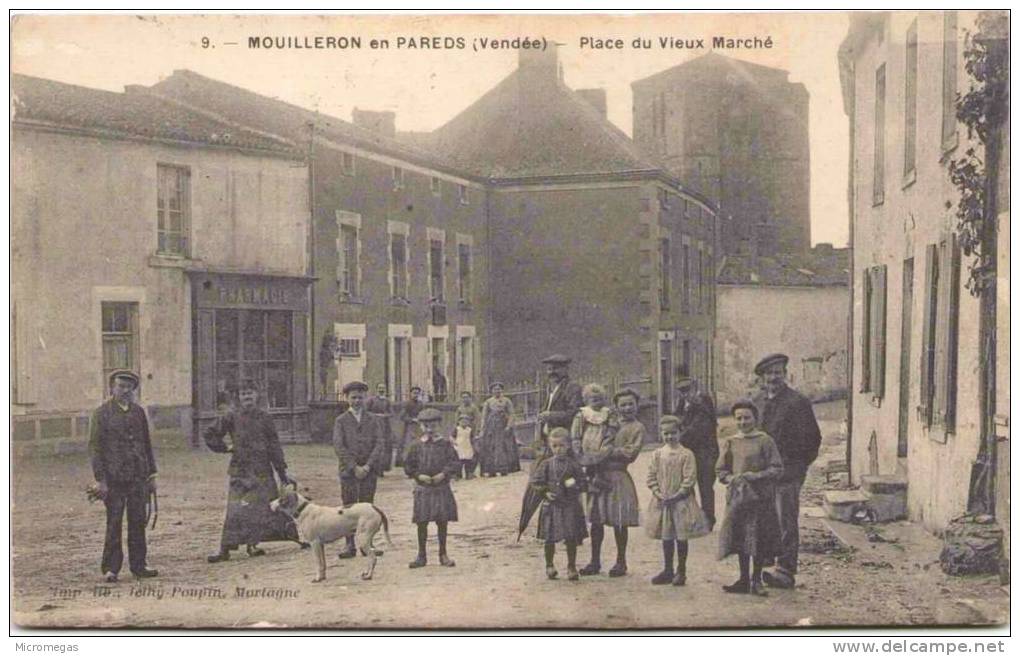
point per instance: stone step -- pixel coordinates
(884, 484)
(842, 504)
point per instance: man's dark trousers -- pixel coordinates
(354, 491)
(134, 497)
(706, 483)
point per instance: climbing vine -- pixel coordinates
(981, 110)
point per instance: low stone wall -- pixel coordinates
(60, 433)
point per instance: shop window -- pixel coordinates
(255, 345)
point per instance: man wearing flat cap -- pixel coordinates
(359, 439)
(698, 424)
(125, 472)
(787, 416)
(563, 402)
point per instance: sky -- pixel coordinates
(427, 87)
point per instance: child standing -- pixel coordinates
(431, 461)
(749, 465)
(673, 515)
(560, 480)
(463, 438)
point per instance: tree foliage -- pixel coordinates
(981, 110)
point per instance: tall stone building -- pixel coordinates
(738, 133)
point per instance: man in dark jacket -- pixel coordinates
(359, 439)
(125, 472)
(787, 416)
(562, 404)
(381, 405)
(698, 433)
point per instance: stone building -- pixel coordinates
(595, 250)
(399, 244)
(764, 305)
(917, 373)
(149, 237)
(738, 133)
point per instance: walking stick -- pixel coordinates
(152, 508)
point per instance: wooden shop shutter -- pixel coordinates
(878, 293)
(866, 333)
(928, 333)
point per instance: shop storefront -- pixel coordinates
(251, 326)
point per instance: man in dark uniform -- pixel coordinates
(380, 405)
(562, 404)
(698, 433)
(787, 416)
(125, 472)
(359, 439)
(409, 419)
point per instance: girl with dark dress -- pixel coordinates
(749, 465)
(431, 461)
(499, 455)
(560, 480)
(256, 453)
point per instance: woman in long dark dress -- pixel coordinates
(499, 454)
(256, 454)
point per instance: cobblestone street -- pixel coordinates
(497, 582)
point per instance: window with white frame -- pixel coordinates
(173, 210)
(347, 163)
(464, 264)
(120, 337)
(348, 246)
(437, 286)
(399, 257)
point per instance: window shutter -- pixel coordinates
(952, 277)
(927, 334)
(341, 257)
(866, 333)
(879, 292)
(941, 332)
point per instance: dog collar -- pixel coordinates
(297, 513)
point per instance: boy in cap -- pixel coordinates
(787, 416)
(431, 461)
(359, 439)
(125, 471)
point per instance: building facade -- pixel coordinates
(750, 289)
(594, 251)
(150, 238)
(916, 369)
(399, 245)
(737, 133)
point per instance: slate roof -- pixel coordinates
(821, 267)
(43, 102)
(281, 118)
(519, 130)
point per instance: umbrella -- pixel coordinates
(529, 506)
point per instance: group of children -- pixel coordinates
(589, 464)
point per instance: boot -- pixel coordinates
(349, 552)
(663, 577)
(222, 555)
(591, 569)
(420, 561)
(619, 569)
(740, 586)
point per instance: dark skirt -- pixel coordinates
(562, 522)
(249, 519)
(753, 529)
(498, 453)
(433, 504)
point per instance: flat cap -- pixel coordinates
(125, 374)
(556, 358)
(355, 386)
(496, 383)
(429, 415)
(769, 360)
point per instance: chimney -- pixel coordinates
(541, 65)
(596, 98)
(382, 123)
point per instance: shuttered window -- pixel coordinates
(910, 102)
(948, 77)
(940, 343)
(878, 175)
(873, 333)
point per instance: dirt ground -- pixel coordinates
(845, 579)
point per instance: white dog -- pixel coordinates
(320, 525)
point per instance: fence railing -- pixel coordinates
(528, 397)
